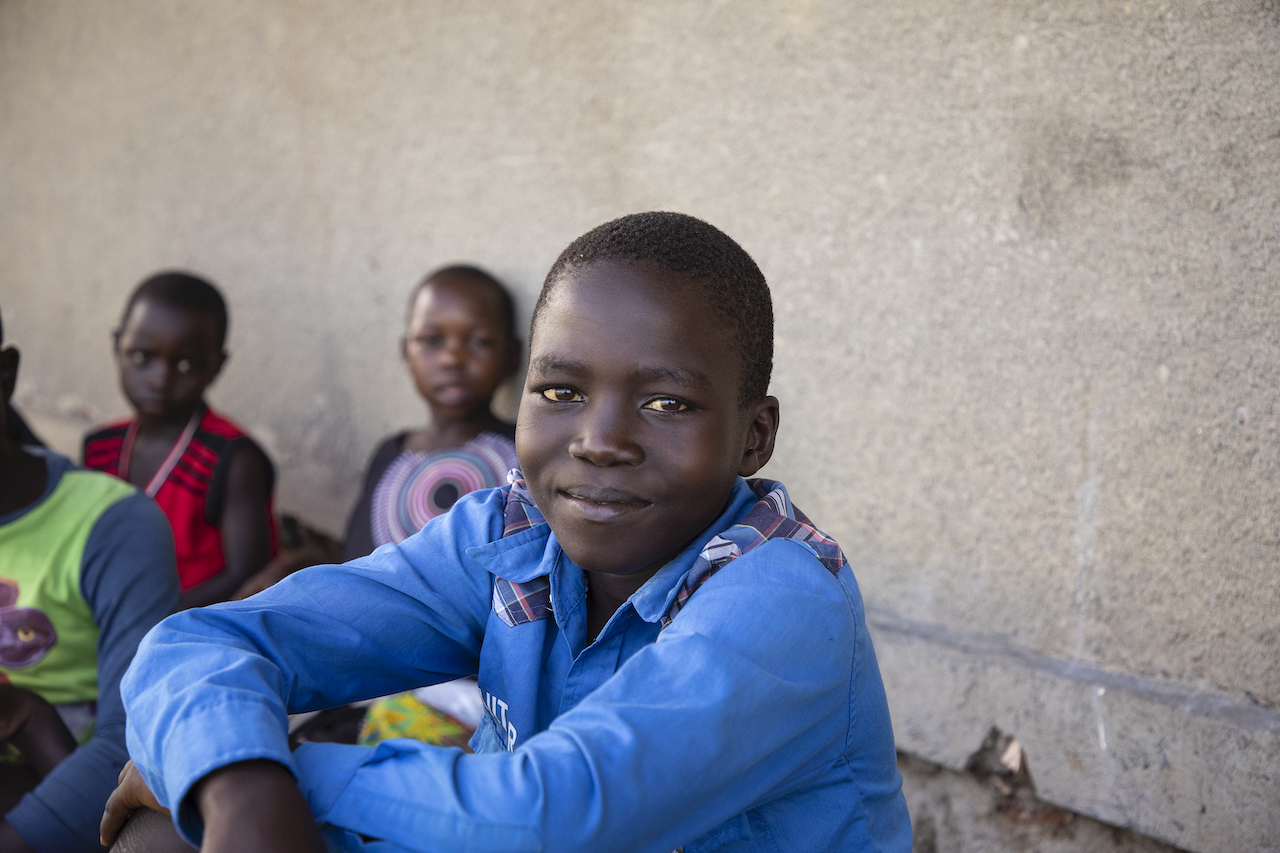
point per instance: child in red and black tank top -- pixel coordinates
(211, 480)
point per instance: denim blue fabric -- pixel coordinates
(756, 720)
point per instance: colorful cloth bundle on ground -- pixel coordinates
(404, 716)
(442, 714)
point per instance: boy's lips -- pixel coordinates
(453, 391)
(596, 503)
(151, 404)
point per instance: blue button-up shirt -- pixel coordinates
(756, 720)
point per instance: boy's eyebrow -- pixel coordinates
(555, 364)
(676, 375)
(664, 373)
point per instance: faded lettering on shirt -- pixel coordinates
(498, 710)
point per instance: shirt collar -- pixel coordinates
(520, 557)
(653, 599)
(534, 552)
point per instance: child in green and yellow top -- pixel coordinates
(86, 568)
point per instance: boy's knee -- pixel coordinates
(149, 832)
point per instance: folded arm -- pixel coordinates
(245, 524)
(222, 680)
(738, 702)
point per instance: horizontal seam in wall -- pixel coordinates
(1191, 700)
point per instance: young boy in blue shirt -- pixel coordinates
(671, 656)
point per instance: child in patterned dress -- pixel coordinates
(460, 346)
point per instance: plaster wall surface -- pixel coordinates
(1025, 265)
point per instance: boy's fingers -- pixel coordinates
(130, 795)
(113, 818)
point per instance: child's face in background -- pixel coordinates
(630, 434)
(458, 347)
(167, 357)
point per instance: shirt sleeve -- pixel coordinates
(213, 686)
(738, 702)
(732, 706)
(130, 583)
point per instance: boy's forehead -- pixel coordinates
(479, 296)
(636, 290)
(456, 284)
(635, 306)
(157, 315)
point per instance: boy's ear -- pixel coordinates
(761, 434)
(9, 359)
(220, 363)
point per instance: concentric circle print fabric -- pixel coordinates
(419, 485)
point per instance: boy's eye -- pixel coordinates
(184, 365)
(139, 357)
(428, 340)
(562, 395)
(666, 404)
(481, 343)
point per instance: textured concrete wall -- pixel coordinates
(1025, 265)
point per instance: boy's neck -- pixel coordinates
(441, 433)
(607, 592)
(22, 477)
(167, 427)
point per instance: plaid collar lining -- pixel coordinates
(773, 517)
(520, 603)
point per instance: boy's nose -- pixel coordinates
(606, 437)
(453, 352)
(161, 375)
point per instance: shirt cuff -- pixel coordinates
(246, 731)
(324, 770)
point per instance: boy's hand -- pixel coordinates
(34, 727)
(268, 577)
(279, 569)
(131, 794)
(247, 807)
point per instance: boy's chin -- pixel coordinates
(152, 409)
(164, 411)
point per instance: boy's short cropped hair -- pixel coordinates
(736, 289)
(186, 292)
(470, 272)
